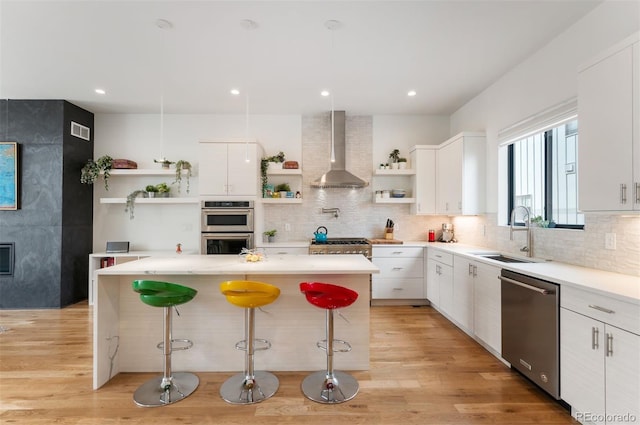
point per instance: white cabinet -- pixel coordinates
(440, 280)
(224, 169)
(423, 158)
(401, 274)
(465, 273)
(487, 310)
(461, 175)
(599, 357)
(609, 147)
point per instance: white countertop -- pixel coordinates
(289, 244)
(235, 264)
(617, 285)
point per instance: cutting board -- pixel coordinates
(385, 241)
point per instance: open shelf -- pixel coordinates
(144, 172)
(285, 172)
(405, 172)
(394, 200)
(281, 200)
(151, 200)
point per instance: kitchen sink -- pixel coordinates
(504, 258)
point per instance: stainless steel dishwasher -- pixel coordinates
(530, 328)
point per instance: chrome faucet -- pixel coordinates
(529, 247)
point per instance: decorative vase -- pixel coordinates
(402, 165)
(394, 165)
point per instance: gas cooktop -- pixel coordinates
(342, 241)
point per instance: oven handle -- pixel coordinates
(210, 235)
(524, 285)
(217, 211)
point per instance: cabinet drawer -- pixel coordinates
(397, 251)
(286, 250)
(399, 268)
(397, 289)
(615, 312)
(440, 256)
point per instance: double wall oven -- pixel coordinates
(226, 226)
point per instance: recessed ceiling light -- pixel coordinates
(411, 93)
(100, 91)
(235, 92)
(324, 93)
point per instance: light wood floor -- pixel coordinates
(423, 371)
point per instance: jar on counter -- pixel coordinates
(386, 194)
(432, 235)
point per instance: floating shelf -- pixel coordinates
(281, 200)
(394, 200)
(143, 172)
(405, 172)
(151, 200)
(285, 172)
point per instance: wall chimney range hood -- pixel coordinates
(338, 176)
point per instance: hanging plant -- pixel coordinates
(264, 165)
(131, 199)
(182, 165)
(92, 169)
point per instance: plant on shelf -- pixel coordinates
(270, 234)
(402, 163)
(394, 155)
(264, 166)
(92, 170)
(180, 166)
(283, 187)
(131, 199)
(162, 190)
(164, 162)
(151, 191)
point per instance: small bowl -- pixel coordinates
(397, 195)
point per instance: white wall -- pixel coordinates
(547, 78)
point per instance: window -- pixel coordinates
(543, 175)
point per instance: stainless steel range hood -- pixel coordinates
(338, 176)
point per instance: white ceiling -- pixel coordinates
(448, 51)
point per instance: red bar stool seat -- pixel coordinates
(329, 386)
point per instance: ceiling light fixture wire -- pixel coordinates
(163, 25)
(332, 25)
(248, 25)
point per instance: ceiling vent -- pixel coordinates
(80, 131)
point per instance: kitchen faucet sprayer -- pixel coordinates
(527, 223)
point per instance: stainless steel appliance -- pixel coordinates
(227, 216)
(530, 329)
(227, 227)
(341, 246)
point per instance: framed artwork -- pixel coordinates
(9, 176)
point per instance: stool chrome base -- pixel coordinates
(238, 390)
(321, 388)
(151, 393)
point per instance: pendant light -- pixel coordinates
(332, 25)
(163, 25)
(249, 25)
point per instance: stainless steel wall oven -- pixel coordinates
(226, 227)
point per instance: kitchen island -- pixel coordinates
(126, 331)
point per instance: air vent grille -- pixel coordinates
(80, 131)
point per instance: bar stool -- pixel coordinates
(329, 386)
(249, 386)
(171, 387)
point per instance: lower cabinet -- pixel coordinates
(440, 280)
(401, 274)
(285, 250)
(487, 308)
(599, 362)
(464, 274)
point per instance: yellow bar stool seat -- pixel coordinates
(249, 386)
(171, 387)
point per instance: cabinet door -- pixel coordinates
(213, 169)
(605, 148)
(424, 182)
(433, 282)
(445, 281)
(622, 371)
(449, 179)
(242, 175)
(582, 364)
(487, 309)
(463, 281)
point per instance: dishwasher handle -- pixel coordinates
(524, 285)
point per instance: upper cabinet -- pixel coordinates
(423, 158)
(229, 169)
(460, 175)
(609, 147)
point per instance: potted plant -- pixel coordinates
(151, 191)
(270, 235)
(394, 155)
(162, 190)
(92, 170)
(402, 163)
(131, 199)
(164, 162)
(274, 162)
(283, 188)
(182, 165)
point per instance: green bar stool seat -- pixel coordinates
(171, 387)
(249, 386)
